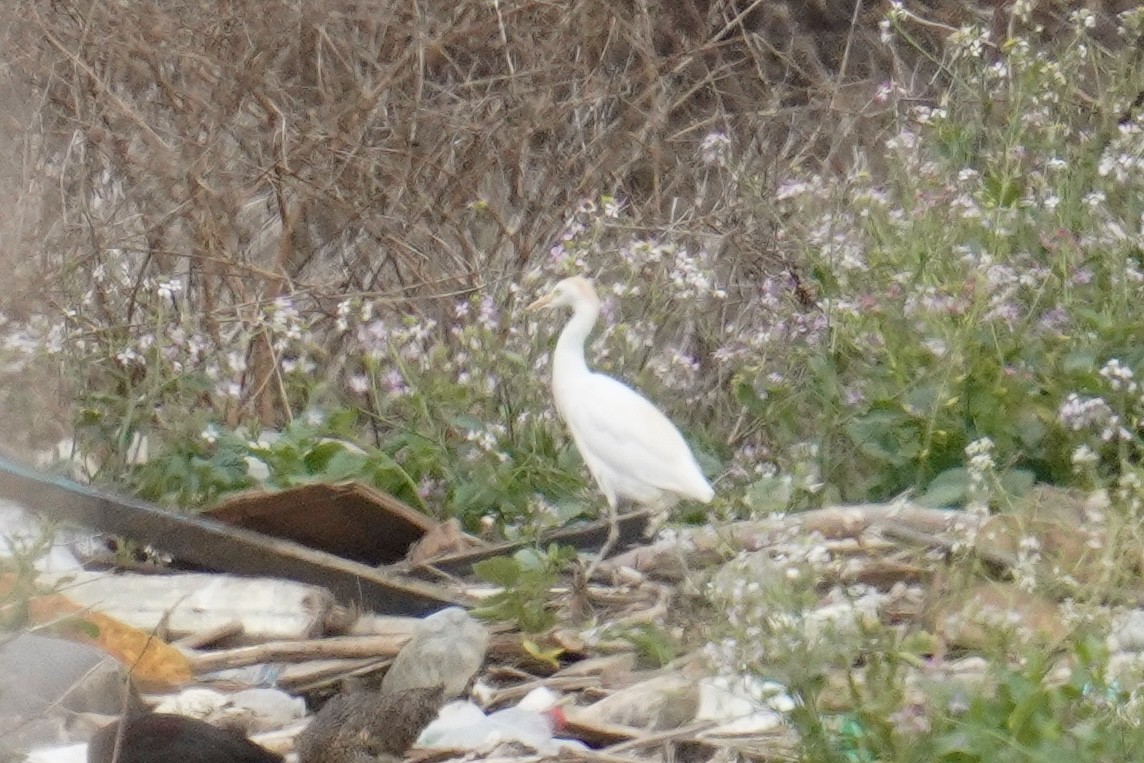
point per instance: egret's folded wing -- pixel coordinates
(615, 425)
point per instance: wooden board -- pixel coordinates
(220, 547)
(352, 520)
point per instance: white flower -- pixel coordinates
(1078, 413)
(257, 469)
(168, 289)
(885, 33)
(981, 463)
(713, 149)
(1084, 455)
(1119, 376)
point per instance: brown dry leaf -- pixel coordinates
(154, 664)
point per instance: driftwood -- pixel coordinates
(300, 651)
(692, 548)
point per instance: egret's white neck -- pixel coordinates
(569, 353)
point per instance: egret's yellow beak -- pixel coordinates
(540, 303)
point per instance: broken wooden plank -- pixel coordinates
(218, 546)
(352, 520)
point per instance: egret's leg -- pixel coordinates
(609, 542)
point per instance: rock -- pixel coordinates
(447, 649)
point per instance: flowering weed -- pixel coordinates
(961, 280)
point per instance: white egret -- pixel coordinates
(633, 451)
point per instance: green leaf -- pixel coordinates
(1078, 362)
(1030, 429)
(769, 494)
(530, 560)
(501, 570)
(343, 465)
(471, 423)
(1017, 482)
(496, 607)
(1001, 192)
(947, 489)
(924, 398)
(747, 396)
(655, 646)
(887, 434)
(535, 618)
(956, 747)
(319, 456)
(549, 656)
(1021, 720)
(559, 555)
(342, 421)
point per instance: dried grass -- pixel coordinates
(408, 151)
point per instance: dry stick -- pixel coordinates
(653, 614)
(306, 677)
(846, 51)
(217, 633)
(504, 40)
(299, 651)
(148, 131)
(903, 532)
(662, 736)
(557, 683)
(600, 755)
